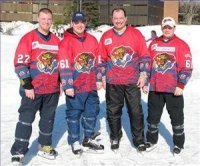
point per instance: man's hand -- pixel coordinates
(145, 89)
(30, 93)
(178, 91)
(99, 85)
(61, 90)
(141, 82)
(70, 92)
(104, 83)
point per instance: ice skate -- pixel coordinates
(47, 152)
(17, 160)
(141, 148)
(176, 150)
(76, 148)
(92, 146)
(114, 145)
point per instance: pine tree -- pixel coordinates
(92, 12)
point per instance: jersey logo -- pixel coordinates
(108, 41)
(35, 45)
(120, 56)
(84, 62)
(47, 62)
(163, 62)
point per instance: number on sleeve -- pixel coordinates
(188, 63)
(64, 64)
(23, 58)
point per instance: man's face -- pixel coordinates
(119, 19)
(45, 22)
(79, 27)
(168, 31)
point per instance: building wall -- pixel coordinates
(139, 12)
(155, 12)
(14, 12)
(171, 9)
(28, 11)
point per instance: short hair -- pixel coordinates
(118, 9)
(45, 10)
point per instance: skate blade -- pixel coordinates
(79, 154)
(15, 163)
(46, 155)
(176, 154)
(140, 153)
(93, 151)
(115, 150)
(151, 148)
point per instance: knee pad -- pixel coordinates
(178, 130)
(153, 128)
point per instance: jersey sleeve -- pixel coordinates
(22, 58)
(143, 53)
(102, 57)
(97, 63)
(184, 65)
(65, 65)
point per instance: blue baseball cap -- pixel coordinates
(78, 16)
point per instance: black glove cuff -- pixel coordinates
(26, 83)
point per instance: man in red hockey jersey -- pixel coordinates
(171, 69)
(36, 65)
(78, 57)
(125, 57)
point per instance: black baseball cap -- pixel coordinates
(78, 16)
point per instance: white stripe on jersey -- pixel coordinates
(36, 45)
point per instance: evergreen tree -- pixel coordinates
(92, 12)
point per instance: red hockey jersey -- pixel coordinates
(78, 57)
(36, 57)
(171, 64)
(124, 56)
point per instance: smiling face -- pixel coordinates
(168, 31)
(45, 22)
(79, 27)
(119, 19)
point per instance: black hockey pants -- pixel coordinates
(174, 106)
(115, 95)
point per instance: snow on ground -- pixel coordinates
(127, 154)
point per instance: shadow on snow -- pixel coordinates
(60, 127)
